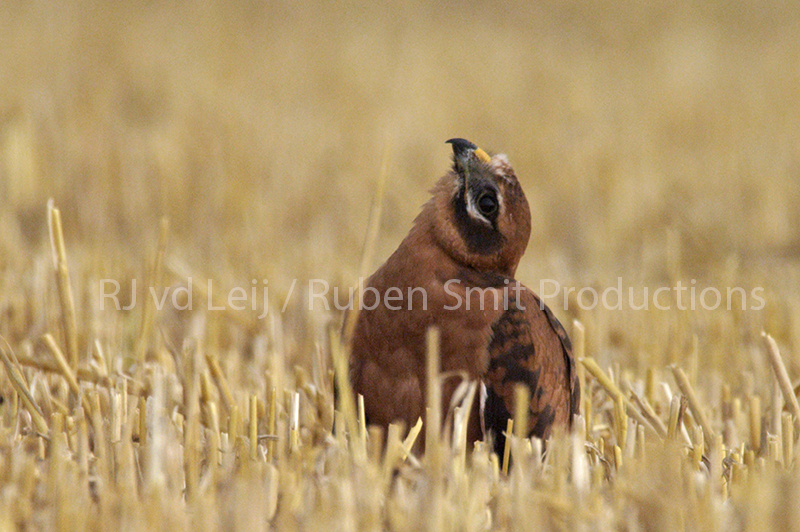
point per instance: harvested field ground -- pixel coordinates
(268, 150)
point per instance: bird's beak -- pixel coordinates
(462, 148)
(465, 154)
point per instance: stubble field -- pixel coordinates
(268, 150)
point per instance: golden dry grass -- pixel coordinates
(657, 142)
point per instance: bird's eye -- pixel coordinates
(487, 204)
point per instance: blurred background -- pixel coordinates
(655, 141)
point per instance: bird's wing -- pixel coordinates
(530, 346)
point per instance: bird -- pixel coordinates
(456, 262)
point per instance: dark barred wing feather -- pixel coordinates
(530, 346)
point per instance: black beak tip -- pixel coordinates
(460, 146)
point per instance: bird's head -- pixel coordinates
(480, 214)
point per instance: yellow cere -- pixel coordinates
(482, 155)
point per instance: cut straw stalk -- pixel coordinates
(142, 421)
(616, 394)
(233, 424)
(62, 279)
(221, 381)
(294, 424)
(376, 444)
(347, 402)
(362, 421)
(411, 438)
(647, 410)
(272, 421)
(507, 447)
(155, 274)
(395, 451)
(521, 407)
(253, 427)
(434, 393)
(18, 381)
(694, 403)
(788, 440)
(782, 376)
(433, 447)
(579, 344)
(620, 422)
(66, 370)
(755, 422)
(85, 375)
(82, 374)
(460, 425)
(83, 443)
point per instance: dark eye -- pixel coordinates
(487, 204)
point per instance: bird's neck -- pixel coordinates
(437, 234)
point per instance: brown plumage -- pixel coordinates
(464, 246)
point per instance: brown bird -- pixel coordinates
(455, 270)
